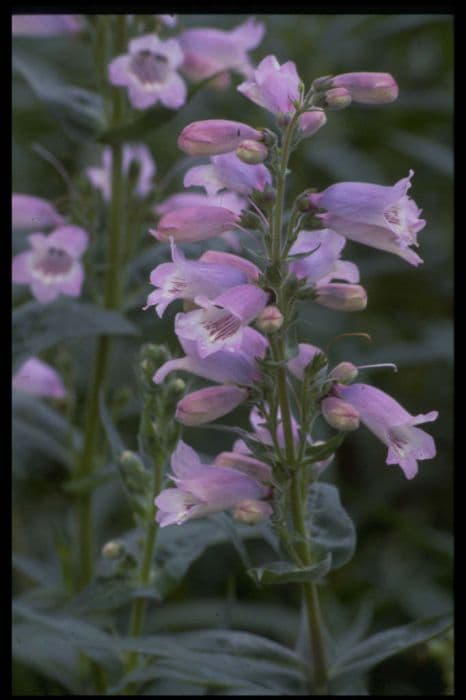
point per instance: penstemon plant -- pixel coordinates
(266, 254)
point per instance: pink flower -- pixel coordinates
(202, 489)
(45, 25)
(52, 266)
(227, 171)
(254, 468)
(148, 70)
(181, 200)
(252, 512)
(378, 216)
(209, 51)
(251, 271)
(368, 88)
(138, 154)
(39, 379)
(29, 213)
(306, 354)
(310, 122)
(194, 223)
(206, 405)
(393, 425)
(273, 86)
(186, 279)
(324, 248)
(340, 414)
(341, 297)
(223, 366)
(220, 323)
(213, 136)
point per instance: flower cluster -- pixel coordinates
(223, 294)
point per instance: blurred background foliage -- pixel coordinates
(402, 569)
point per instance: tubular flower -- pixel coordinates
(206, 405)
(223, 366)
(378, 216)
(392, 424)
(181, 200)
(273, 87)
(209, 51)
(324, 248)
(202, 489)
(227, 171)
(220, 323)
(213, 136)
(149, 71)
(52, 266)
(29, 213)
(139, 154)
(306, 354)
(45, 25)
(368, 88)
(186, 279)
(39, 379)
(195, 223)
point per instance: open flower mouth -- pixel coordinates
(149, 68)
(53, 265)
(222, 326)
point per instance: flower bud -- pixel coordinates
(206, 405)
(341, 296)
(113, 550)
(323, 83)
(176, 386)
(344, 373)
(337, 98)
(252, 152)
(131, 462)
(310, 122)
(269, 320)
(244, 463)
(284, 119)
(340, 414)
(213, 136)
(368, 88)
(252, 512)
(194, 224)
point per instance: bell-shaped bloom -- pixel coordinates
(378, 216)
(310, 122)
(368, 88)
(134, 155)
(213, 136)
(223, 366)
(340, 414)
(149, 71)
(220, 322)
(206, 405)
(251, 271)
(182, 200)
(273, 86)
(393, 425)
(324, 248)
(45, 25)
(255, 468)
(202, 489)
(32, 213)
(39, 379)
(227, 171)
(306, 354)
(341, 297)
(186, 279)
(209, 51)
(52, 265)
(195, 224)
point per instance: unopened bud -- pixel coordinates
(131, 462)
(270, 319)
(252, 152)
(336, 98)
(368, 88)
(340, 414)
(323, 83)
(208, 404)
(113, 550)
(251, 511)
(341, 296)
(344, 373)
(310, 122)
(176, 386)
(214, 136)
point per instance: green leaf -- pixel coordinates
(317, 453)
(285, 572)
(331, 528)
(37, 327)
(107, 593)
(370, 652)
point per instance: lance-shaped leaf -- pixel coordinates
(330, 526)
(286, 572)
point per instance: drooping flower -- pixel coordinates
(45, 25)
(186, 279)
(202, 489)
(223, 366)
(220, 323)
(39, 379)
(273, 86)
(181, 200)
(194, 223)
(206, 405)
(52, 266)
(210, 137)
(324, 247)
(29, 213)
(149, 71)
(209, 51)
(378, 216)
(393, 425)
(368, 88)
(227, 171)
(133, 154)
